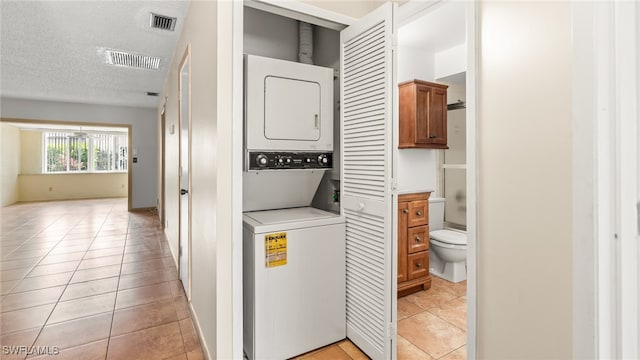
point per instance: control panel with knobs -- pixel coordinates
(288, 160)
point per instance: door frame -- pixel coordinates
(186, 60)
(129, 128)
(606, 280)
(338, 21)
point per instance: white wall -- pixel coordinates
(524, 172)
(144, 127)
(450, 61)
(207, 29)
(415, 64)
(9, 164)
(416, 167)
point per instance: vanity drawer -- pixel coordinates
(418, 265)
(418, 213)
(418, 239)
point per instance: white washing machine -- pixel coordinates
(294, 281)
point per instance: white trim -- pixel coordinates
(625, 180)
(237, 161)
(304, 12)
(606, 319)
(413, 10)
(473, 34)
(585, 302)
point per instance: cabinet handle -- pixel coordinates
(418, 265)
(418, 239)
(406, 211)
(419, 213)
(433, 136)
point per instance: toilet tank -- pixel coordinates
(436, 213)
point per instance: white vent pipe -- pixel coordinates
(305, 47)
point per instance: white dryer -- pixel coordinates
(294, 281)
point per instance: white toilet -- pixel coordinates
(448, 247)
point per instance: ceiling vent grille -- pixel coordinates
(162, 22)
(131, 60)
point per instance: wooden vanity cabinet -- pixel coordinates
(423, 115)
(413, 243)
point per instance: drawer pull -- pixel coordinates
(406, 211)
(418, 239)
(418, 265)
(419, 213)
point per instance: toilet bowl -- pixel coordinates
(448, 247)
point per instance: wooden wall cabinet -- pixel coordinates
(413, 243)
(423, 115)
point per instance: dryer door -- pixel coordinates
(291, 109)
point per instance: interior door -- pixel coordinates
(185, 180)
(367, 82)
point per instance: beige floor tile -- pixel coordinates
(77, 332)
(431, 334)
(153, 343)
(91, 351)
(433, 297)
(407, 308)
(41, 270)
(86, 306)
(74, 287)
(459, 354)
(41, 282)
(454, 312)
(24, 319)
(90, 288)
(142, 317)
(29, 299)
(16, 341)
(353, 351)
(408, 351)
(143, 295)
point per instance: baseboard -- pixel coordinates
(196, 325)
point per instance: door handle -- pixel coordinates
(184, 191)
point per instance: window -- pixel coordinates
(85, 152)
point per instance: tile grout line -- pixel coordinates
(115, 301)
(69, 281)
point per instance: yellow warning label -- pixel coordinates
(275, 249)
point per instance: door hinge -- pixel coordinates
(393, 185)
(391, 330)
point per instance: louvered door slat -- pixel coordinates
(366, 126)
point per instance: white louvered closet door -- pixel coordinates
(366, 114)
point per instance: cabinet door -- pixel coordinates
(423, 114)
(403, 216)
(437, 123)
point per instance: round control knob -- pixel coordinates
(307, 160)
(280, 160)
(322, 159)
(288, 161)
(262, 160)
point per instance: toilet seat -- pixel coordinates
(448, 238)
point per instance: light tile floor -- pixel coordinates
(90, 280)
(431, 325)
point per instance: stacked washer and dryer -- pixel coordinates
(294, 254)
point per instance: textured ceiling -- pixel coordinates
(50, 50)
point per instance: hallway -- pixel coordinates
(89, 280)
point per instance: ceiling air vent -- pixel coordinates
(132, 60)
(162, 22)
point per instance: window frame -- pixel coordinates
(115, 142)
